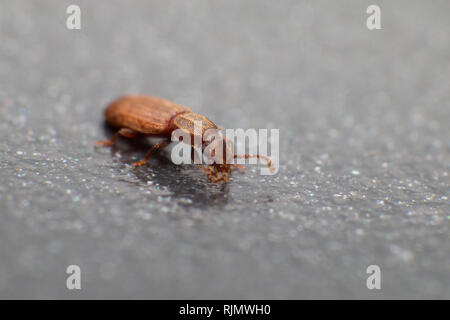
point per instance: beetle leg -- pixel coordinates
(156, 146)
(213, 174)
(221, 177)
(125, 132)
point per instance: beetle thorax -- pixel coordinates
(186, 121)
(215, 146)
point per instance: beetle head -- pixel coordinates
(217, 148)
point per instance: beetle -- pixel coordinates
(151, 116)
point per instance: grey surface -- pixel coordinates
(364, 127)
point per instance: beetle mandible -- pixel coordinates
(152, 116)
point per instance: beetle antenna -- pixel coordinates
(247, 156)
(238, 166)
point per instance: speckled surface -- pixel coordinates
(364, 153)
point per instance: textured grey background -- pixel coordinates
(364, 127)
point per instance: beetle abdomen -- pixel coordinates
(144, 114)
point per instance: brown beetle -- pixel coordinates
(152, 116)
